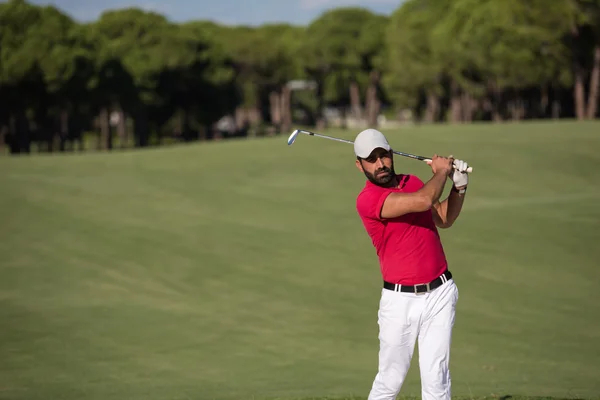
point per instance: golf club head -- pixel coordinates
(293, 137)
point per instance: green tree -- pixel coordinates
(373, 53)
(201, 90)
(584, 42)
(275, 67)
(264, 60)
(243, 52)
(21, 79)
(151, 68)
(133, 46)
(413, 69)
(479, 56)
(341, 53)
(66, 63)
(501, 48)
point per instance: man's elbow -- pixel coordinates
(424, 204)
(444, 225)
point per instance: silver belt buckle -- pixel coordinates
(422, 284)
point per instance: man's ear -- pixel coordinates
(359, 166)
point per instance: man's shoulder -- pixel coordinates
(372, 193)
(412, 177)
(410, 182)
(370, 188)
(368, 197)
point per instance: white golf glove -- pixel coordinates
(460, 177)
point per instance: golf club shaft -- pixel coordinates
(425, 159)
(325, 136)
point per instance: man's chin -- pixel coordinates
(382, 180)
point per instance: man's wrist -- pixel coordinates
(460, 190)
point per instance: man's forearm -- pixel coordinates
(455, 202)
(434, 188)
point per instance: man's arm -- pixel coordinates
(397, 204)
(446, 212)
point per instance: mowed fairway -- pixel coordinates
(240, 270)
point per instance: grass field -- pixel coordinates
(240, 270)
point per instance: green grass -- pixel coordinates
(240, 270)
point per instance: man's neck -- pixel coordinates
(393, 184)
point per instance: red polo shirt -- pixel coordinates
(409, 247)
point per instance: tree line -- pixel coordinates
(134, 75)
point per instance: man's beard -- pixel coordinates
(385, 180)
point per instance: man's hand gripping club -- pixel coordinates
(460, 177)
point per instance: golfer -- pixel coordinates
(402, 215)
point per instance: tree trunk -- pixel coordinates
(468, 106)
(544, 102)
(578, 71)
(105, 138)
(21, 137)
(254, 115)
(578, 92)
(433, 106)
(189, 133)
(245, 118)
(50, 130)
(3, 130)
(497, 102)
(355, 101)
(455, 104)
(592, 106)
(521, 108)
(373, 104)
(12, 134)
(286, 109)
(321, 122)
(63, 128)
(141, 128)
(179, 123)
(122, 127)
(556, 109)
(513, 106)
(343, 117)
(514, 110)
(275, 103)
(496, 114)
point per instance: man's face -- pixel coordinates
(378, 167)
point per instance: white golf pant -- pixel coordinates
(405, 318)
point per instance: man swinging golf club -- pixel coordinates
(401, 214)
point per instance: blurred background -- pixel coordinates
(98, 76)
(160, 240)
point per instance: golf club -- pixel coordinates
(295, 134)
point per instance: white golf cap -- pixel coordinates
(367, 141)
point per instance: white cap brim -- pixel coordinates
(369, 140)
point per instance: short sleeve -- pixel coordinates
(370, 202)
